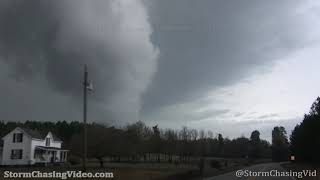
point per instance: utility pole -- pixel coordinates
(85, 86)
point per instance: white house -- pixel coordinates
(24, 146)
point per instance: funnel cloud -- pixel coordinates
(45, 44)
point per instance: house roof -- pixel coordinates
(33, 133)
(38, 135)
(50, 148)
(56, 138)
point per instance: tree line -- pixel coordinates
(305, 138)
(139, 142)
(304, 143)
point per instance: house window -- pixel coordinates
(17, 137)
(16, 154)
(47, 141)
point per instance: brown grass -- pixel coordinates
(146, 171)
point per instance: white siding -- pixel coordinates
(34, 143)
(8, 145)
(38, 142)
(56, 144)
(27, 145)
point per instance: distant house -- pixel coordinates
(24, 146)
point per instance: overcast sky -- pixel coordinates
(226, 66)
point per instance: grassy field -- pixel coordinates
(148, 171)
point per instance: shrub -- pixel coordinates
(215, 164)
(74, 160)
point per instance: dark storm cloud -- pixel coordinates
(54, 39)
(203, 44)
(218, 43)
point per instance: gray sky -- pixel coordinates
(226, 66)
